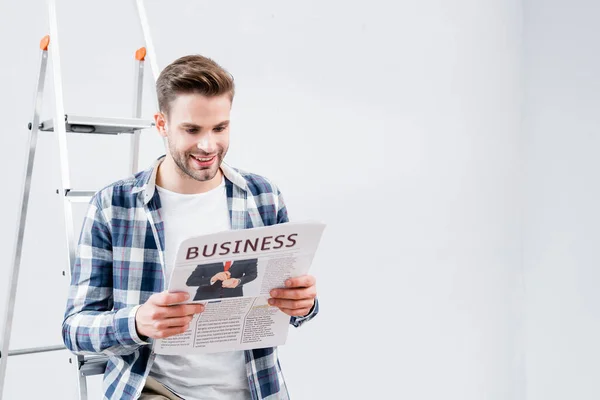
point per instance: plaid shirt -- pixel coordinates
(120, 264)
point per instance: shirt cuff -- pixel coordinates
(298, 321)
(124, 325)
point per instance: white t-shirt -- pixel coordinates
(219, 376)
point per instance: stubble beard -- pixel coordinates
(182, 160)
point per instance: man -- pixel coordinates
(220, 280)
(117, 301)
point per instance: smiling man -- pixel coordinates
(117, 300)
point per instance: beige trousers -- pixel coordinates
(154, 390)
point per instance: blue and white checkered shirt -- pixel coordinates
(120, 263)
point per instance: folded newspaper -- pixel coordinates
(232, 274)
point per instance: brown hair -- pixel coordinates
(192, 74)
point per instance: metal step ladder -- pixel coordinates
(60, 125)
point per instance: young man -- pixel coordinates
(117, 299)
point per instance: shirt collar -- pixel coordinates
(146, 181)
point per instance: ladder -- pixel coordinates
(60, 125)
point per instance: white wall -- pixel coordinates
(562, 116)
(397, 123)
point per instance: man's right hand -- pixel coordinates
(158, 318)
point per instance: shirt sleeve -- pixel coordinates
(282, 214)
(282, 217)
(298, 321)
(91, 325)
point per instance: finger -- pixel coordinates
(294, 294)
(303, 281)
(165, 298)
(292, 304)
(172, 323)
(170, 332)
(183, 310)
(296, 313)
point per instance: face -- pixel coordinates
(197, 132)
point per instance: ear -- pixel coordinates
(160, 121)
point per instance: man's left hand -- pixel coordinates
(298, 296)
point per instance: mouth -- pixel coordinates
(203, 162)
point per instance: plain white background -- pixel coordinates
(561, 119)
(436, 139)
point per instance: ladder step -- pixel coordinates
(79, 196)
(33, 350)
(93, 366)
(99, 125)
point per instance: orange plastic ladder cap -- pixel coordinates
(140, 54)
(45, 42)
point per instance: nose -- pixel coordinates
(206, 143)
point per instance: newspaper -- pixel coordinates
(232, 274)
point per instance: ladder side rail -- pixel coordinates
(22, 215)
(61, 136)
(59, 115)
(151, 53)
(137, 108)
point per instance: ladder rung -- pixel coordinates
(99, 125)
(33, 350)
(89, 366)
(93, 366)
(79, 196)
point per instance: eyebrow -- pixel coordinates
(196, 126)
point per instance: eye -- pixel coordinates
(191, 130)
(220, 128)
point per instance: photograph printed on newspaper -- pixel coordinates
(232, 274)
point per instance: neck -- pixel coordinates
(170, 177)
